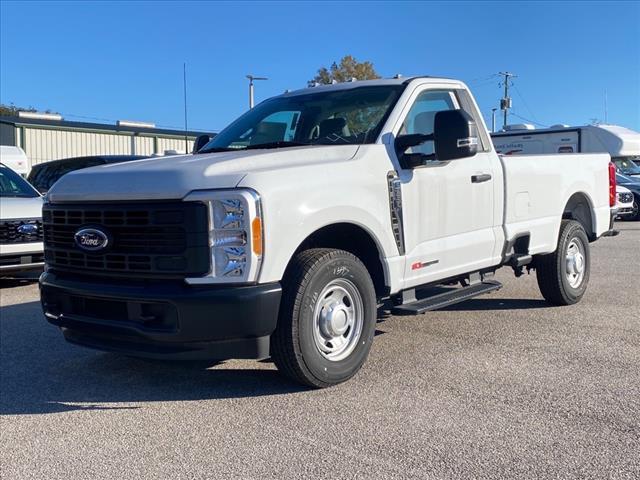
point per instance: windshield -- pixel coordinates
(624, 180)
(626, 165)
(334, 117)
(13, 185)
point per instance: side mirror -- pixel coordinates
(404, 142)
(200, 142)
(455, 135)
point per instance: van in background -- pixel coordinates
(15, 159)
(622, 144)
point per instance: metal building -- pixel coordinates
(46, 137)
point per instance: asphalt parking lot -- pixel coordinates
(503, 386)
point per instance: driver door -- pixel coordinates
(448, 206)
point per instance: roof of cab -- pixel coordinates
(364, 83)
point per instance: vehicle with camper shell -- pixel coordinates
(622, 144)
(281, 236)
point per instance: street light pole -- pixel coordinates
(493, 120)
(251, 79)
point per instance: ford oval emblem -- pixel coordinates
(28, 229)
(91, 239)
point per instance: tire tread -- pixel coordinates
(549, 269)
(285, 351)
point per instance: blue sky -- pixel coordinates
(115, 60)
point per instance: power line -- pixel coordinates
(528, 120)
(483, 79)
(523, 101)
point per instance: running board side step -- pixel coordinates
(442, 300)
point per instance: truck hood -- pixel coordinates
(174, 177)
(19, 207)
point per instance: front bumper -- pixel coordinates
(21, 262)
(624, 211)
(163, 320)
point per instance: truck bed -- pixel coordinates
(538, 189)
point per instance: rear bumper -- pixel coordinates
(166, 320)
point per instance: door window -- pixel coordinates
(422, 114)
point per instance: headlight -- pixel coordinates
(235, 235)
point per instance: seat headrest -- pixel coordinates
(268, 132)
(331, 126)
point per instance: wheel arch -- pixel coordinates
(579, 207)
(354, 239)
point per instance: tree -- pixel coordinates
(348, 68)
(12, 111)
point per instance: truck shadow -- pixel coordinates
(14, 282)
(480, 303)
(41, 373)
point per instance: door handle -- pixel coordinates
(483, 177)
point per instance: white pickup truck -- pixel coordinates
(284, 234)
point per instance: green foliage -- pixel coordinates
(12, 111)
(348, 68)
(358, 120)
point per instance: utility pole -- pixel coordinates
(505, 102)
(251, 79)
(184, 86)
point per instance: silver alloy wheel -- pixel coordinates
(576, 262)
(338, 319)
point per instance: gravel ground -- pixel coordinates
(503, 386)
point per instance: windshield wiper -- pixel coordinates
(279, 144)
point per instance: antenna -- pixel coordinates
(186, 129)
(605, 107)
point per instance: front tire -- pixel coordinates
(327, 318)
(563, 275)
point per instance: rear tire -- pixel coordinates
(563, 275)
(327, 318)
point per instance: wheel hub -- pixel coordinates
(338, 319)
(575, 263)
(334, 320)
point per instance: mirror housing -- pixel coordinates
(403, 142)
(455, 135)
(200, 142)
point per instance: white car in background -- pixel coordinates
(20, 224)
(624, 202)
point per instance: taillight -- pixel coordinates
(612, 184)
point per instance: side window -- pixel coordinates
(422, 114)
(467, 105)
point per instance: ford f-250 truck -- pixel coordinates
(283, 234)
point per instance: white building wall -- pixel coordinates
(45, 144)
(173, 144)
(143, 145)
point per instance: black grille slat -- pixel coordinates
(9, 231)
(147, 240)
